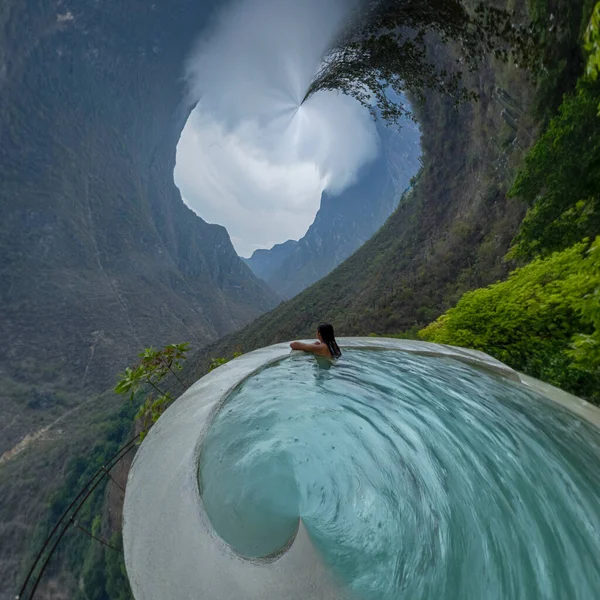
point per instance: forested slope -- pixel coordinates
(449, 234)
(346, 221)
(99, 256)
(545, 319)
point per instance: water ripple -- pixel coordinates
(416, 477)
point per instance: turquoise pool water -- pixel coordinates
(416, 477)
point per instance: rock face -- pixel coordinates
(344, 222)
(99, 256)
(449, 234)
(264, 263)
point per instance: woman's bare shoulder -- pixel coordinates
(315, 348)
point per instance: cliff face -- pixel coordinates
(264, 263)
(449, 234)
(346, 221)
(99, 256)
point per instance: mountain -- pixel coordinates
(266, 262)
(88, 207)
(346, 221)
(449, 234)
(99, 256)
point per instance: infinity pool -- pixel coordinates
(416, 478)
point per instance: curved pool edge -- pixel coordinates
(163, 512)
(578, 406)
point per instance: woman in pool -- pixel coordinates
(326, 346)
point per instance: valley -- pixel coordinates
(345, 221)
(100, 258)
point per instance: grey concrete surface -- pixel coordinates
(171, 550)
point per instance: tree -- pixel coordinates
(586, 347)
(386, 49)
(560, 179)
(592, 44)
(529, 321)
(154, 366)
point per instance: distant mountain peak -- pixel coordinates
(344, 221)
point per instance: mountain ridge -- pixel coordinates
(449, 235)
(90, 212)
(99, 256)
(346, 221)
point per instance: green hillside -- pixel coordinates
(452, 233)
(545, 319)
(448, 235)
(485, 251)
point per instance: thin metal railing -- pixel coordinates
(75, 506)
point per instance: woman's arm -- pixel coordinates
(316, 348)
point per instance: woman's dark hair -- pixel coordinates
(326, 332)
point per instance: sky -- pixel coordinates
(250, 157)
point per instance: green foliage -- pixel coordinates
(95, 567)
(103, 575)
(152, 369)
(544, 320)
(560, 179)
(419, 264)
(529, 320)
(387, 49)
(586, 347)
(92, 574)
(592, 44)
(154, 366)
(215, 363)
(116, 582)
(559, 25)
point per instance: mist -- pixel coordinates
(251, 157)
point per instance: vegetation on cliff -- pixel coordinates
(529, 321)
(545, 318)
(86, 567)
(388, 48)
(89, 559)
(560, 178)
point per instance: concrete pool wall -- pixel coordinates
(171, 549)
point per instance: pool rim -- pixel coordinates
(195, 410)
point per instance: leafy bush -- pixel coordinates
(561, 178)
(529, 320)
(153, 367)
(215, 363)
(592, 44)
(586, 348)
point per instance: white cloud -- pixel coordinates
(249, 158)
(228, 181)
